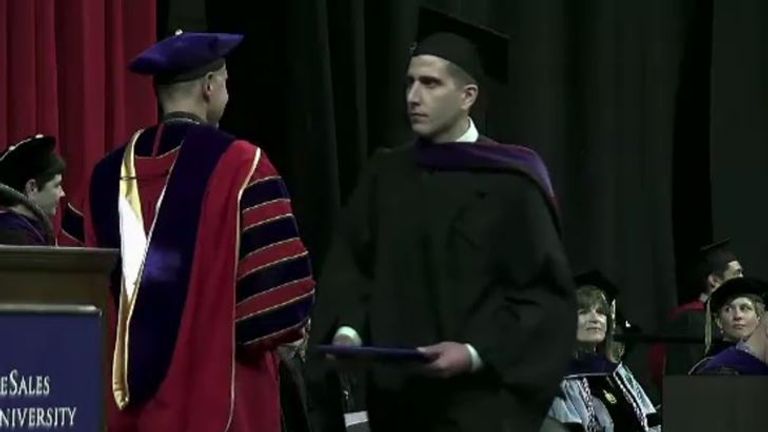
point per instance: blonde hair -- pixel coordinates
(714, 315)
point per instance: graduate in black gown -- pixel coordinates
(30, 190)
(293, 397)
(451, 244)
(750, 355)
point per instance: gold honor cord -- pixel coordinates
(129, 189)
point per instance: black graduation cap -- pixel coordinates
(598, 280)
(27, 159)
(718, 245)
(717, 254)
(710, 258)
(737, 287)
(479, 51)
(622, 326)
(725, 292)
(185, 56)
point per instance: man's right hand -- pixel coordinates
(347, 337)
(345, 340)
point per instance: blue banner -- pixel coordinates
(51, 368)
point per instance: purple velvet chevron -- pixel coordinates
(164, 282)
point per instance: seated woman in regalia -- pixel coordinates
(740, 304)
(736, 307)
(599, 393)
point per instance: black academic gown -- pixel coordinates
(435, 247)
(681, 357)
(293, 398)
(19, 230)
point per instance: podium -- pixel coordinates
(714, 403)
(53, 333)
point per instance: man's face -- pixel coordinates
(732, 271)
(46, 197)
(436, 103)
(217, 95)
(738, 319)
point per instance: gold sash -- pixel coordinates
(134, 245)
(129, 193)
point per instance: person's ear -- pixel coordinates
(30, 187)
(207, 84)
(713, 282)
(469, 96)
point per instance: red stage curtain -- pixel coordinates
(63, 73)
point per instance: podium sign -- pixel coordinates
(50, 368)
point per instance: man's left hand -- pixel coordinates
(448, 359)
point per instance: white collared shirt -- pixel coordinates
(471, 135)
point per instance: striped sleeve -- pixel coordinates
(275, 287)
(72, 227)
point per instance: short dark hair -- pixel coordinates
(55, 167)
(459, 75)
(717, 261)
(712, 262)
(165, 91)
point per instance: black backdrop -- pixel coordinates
(649, 115)
(739, 128)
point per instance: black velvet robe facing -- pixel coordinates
(425, 254)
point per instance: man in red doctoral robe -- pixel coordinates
(213, 275)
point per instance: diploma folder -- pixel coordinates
(374, 354)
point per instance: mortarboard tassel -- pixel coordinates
(708, 328)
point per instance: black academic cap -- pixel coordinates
(597, 279)
(27, 159)
(737, 287)
(717, 252)
(185, 56)
(479, 51)
(718, 245)
(714, 256)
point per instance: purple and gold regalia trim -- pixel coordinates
(254, 328)
(736, 360)
(275, 275)
(486, 154)
(263, 191)
(275, 290)
(162, 290)
(268, 233)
